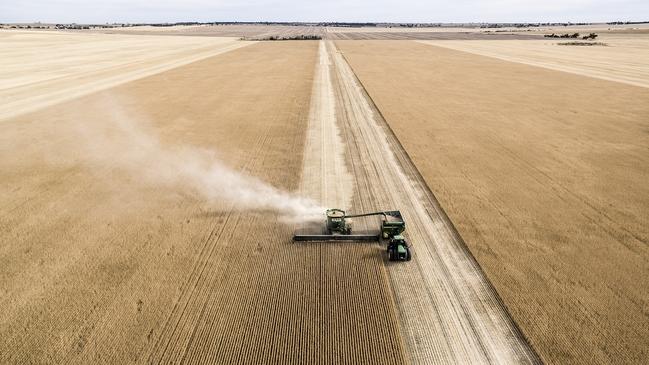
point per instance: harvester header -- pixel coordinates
(338, 227)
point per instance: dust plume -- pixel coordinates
(125, 143)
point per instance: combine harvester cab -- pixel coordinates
(398, 249)
(336, 222)
(338, 228)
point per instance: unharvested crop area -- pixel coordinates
(544, 175)
(98, 263)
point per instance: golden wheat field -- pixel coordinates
(543, 173)
(152, 179)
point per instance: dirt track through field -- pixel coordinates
(325, 176)
(447, 310)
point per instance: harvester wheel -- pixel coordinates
(392, 254)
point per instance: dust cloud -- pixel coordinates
(126, 144)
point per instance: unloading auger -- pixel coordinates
(339, 228)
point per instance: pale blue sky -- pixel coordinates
(101, 11)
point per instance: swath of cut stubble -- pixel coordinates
(126, 144)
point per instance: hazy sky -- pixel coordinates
(101, 11)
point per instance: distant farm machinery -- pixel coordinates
(339, 228)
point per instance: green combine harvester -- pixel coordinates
(338, 228)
